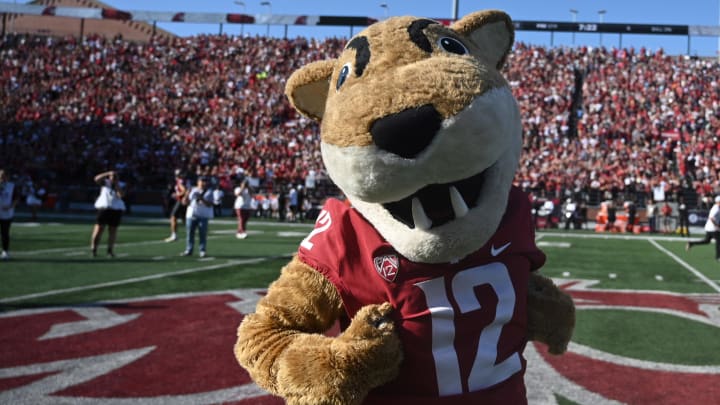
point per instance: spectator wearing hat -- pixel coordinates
(712, 230)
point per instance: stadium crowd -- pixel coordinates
(646, 122)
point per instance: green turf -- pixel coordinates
(563, 401)
(652, 337)
(54, 256)
(635, 263)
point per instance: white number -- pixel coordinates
(484, 372)
(324, 221)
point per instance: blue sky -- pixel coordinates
(685, 12)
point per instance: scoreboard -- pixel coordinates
(661, 29)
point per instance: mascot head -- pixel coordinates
(419, 129)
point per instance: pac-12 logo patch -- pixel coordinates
(387, 266)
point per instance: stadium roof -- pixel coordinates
(63, 26)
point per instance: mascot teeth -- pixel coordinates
(437, 204)
(459, 207)
(420, 218)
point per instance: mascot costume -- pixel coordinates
(430, 271)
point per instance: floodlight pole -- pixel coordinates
(574, 20)
(12, 20)
(269, 6)
(455, 9)
(242, 26)
(601, 14)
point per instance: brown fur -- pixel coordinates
(399, 76)
(282, 344)
(551, 314)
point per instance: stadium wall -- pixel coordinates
(65, 26)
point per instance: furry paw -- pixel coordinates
(372, 343)
(365, 356)
(371, 322)
(551, 314)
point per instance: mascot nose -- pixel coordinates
(408, 132)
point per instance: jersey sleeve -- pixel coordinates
(523, 228)
(327, 244)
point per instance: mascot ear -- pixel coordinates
(491, 30)
(307, 88)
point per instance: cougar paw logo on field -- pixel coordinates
(175, 349)
(589, 375)
(160, 350)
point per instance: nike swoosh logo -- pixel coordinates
(495, 252)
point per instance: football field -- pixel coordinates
(149, 326)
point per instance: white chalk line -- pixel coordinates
(141, 279)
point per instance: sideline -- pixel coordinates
(86, 249)
(690, 268)
(144, 278)
(620, 236)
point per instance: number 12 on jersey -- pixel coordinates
(484, 372)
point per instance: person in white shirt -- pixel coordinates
(243, 208)
(198, 215)
(570, 212)
(110, 208)
(218, 195)
(712, 230)
(9, 197)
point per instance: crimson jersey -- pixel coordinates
(463, 325)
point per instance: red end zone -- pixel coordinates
(179, 349)
(186, 346)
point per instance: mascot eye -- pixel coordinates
(452, 45)
(344, 72)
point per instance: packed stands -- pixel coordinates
(647, 123)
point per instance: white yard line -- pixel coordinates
(140, 279)
(690, 268)
(86, 249)
(621, 236)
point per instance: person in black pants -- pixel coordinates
(712, 230)
(9, 197)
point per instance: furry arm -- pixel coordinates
(282, 346)
(551, 314)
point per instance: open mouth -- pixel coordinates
(437, 204)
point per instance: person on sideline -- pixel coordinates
(218, 195)
(651, 212)
(683, 218)
(9, 197)
(180, 189)
(110, 208)
(33, 196)
(712, 230)
(199, 212)
(243, 208)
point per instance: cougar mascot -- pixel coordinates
(431, 269)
